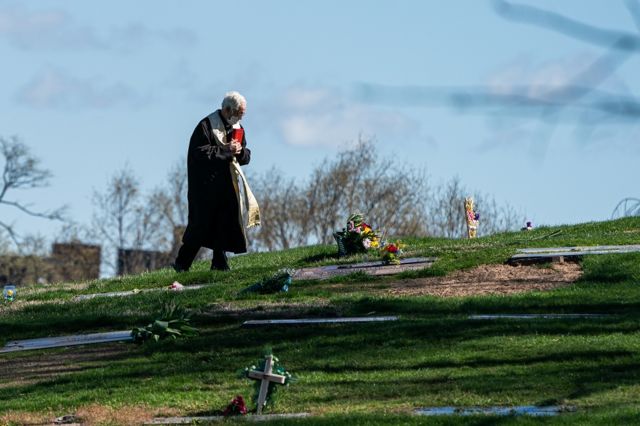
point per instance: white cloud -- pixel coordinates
(56, 29)
(53, 88)
(544, 80)
(44, 29)
(325, 117)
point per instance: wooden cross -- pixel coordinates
(266, 376)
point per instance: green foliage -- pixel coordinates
(173, 322)
(275, 283)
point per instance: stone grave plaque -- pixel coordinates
(536, 316)
(62, 341)
(132, 292)
(522, 410)
(370, 268)
(315, 321)
(197, 420)
(534, 255)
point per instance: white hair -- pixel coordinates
(234, 101)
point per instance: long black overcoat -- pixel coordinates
(213, 204)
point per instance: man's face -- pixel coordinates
(238, 112)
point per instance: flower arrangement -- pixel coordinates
(236, 407)
(357, 237)
(390, 253)
(277, 368)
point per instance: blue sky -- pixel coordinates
(90, 86)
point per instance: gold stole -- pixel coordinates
(249, 211)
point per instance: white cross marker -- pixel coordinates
(266, 376)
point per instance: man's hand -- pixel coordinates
(235, 147)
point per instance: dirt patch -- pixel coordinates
(128, 415)
(490, 279)
(41, 366)
(94, 414)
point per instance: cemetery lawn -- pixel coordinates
(375, 373)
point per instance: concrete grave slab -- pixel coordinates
(534, 255)
(522, 410)
(132, 292)
(315, 321)
(62, 341)
(537, 316)
(370, 268)
(619, 248)
(196, 420)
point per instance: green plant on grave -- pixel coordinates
(174, 321)
(278, 282)
(276, 368)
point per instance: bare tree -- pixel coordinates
(171, 200)
(21, 171)
(446, 210)
(123, 218)
(388, 193)
(284, 215)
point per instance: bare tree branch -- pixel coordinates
(579, 30)
(58, 214)
(21, 170)
(634, 9)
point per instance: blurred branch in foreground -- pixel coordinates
(626, 207)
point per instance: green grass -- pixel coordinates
(352, 374)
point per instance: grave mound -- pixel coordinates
(490, 280)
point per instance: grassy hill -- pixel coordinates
(362, 374)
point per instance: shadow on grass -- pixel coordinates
(382, 362)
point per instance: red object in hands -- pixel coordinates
(237, 134)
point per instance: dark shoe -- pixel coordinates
(178, 268)
(219, 261)
(220, 268)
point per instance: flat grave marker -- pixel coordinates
(537, 316)
(63, 341)
(369, 268)
(197, 420)
(522, 410)
(545, 254)
(612, 248)
(314, 321)
(132, 292)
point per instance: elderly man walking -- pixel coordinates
(221, 204)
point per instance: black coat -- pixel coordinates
(213, 204)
